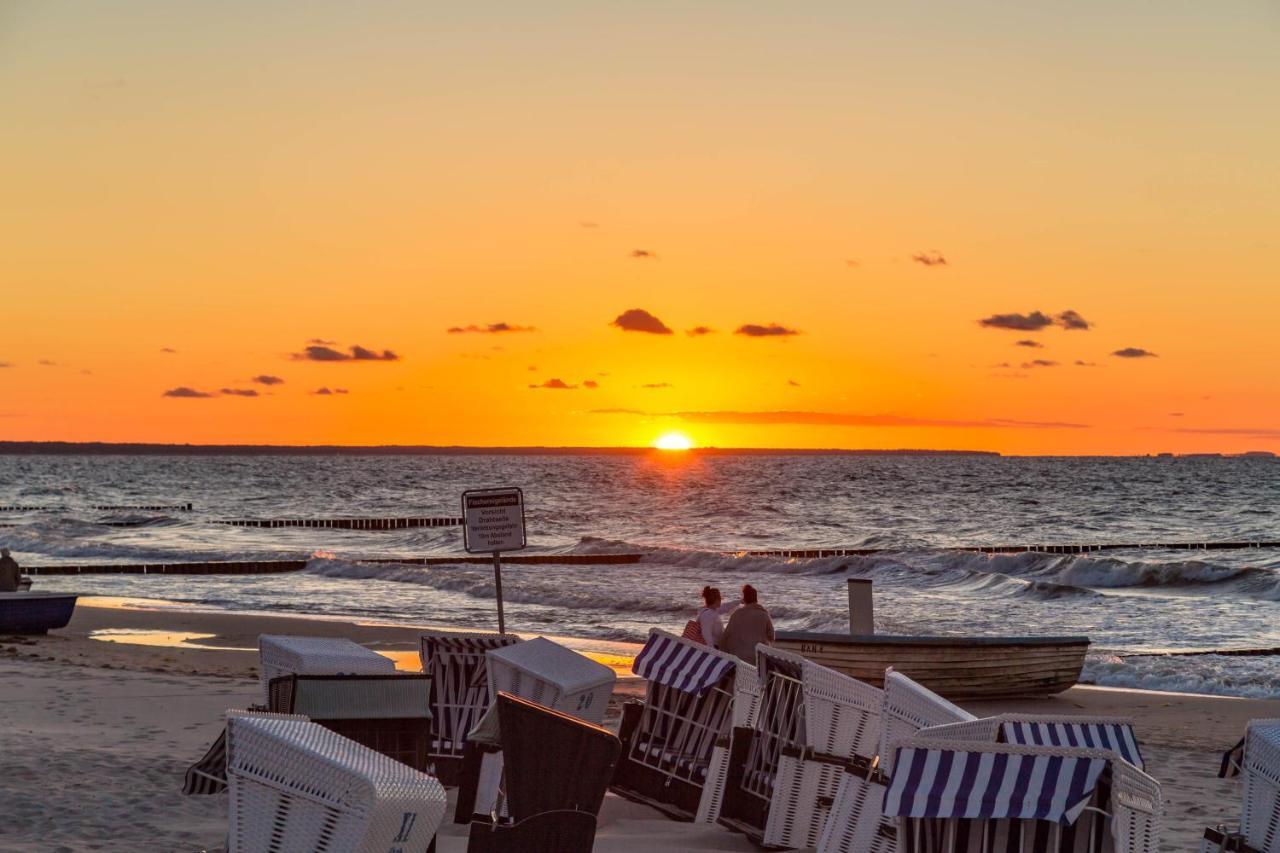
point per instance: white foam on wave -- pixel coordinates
(1220, 675)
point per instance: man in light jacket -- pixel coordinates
(750, 624)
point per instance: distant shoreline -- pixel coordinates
(97, 448)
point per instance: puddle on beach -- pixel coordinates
(168, 639)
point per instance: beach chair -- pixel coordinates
(785, 767)
(284, 655)
(675, 742)
(1259, 830)
(297, 787)
(1113, 733)
(553, 676)
(209, 774)
(459, 672)
(556, 769)
(389, 714)
(855, 823)
(950, 796)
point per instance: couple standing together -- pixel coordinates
(749, 623)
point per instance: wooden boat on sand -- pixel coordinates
(34, 612)
(955, 667)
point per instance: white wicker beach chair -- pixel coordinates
(1260, 814)
(1113, 733)
(785, 768)
(675, 753)
(952, 795)
(553, 676)
(855, 824)
(284, 655)
(459, 672)
(297, 787)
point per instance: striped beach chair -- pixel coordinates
(456, 664)
(675, 742)
(971, 797)
(1111, 733)
(1258, 760)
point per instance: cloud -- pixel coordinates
(1249, 432)
(589, 224)
(489, 329)
(1038, 362)
(325, 392)
(1028, 343)
(1071, 321)
(699, 331)
(793, 383)
(44, 362)
(1134, 352)
(656, 385)
(1033, 322)
(185, 393)
(590, 383)
(930, 259)
(640, 320)
(168, 350)
(322, 352)
(849, 262)
(322, 342)
(554, 384)
(4, 364)
(773, 330)
(845, 419)
(267, 379)
(239, 392)
(1175, 414)
(617, 412)
(1081, 363)
(642, 254)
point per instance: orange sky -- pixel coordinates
(232, 180)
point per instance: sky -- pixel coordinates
(1032, 228)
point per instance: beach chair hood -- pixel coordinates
(542, 658)
(681, 664)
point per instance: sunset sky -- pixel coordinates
(192, 195)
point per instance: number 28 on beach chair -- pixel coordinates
(855, 823)
(953, 796)
(675, 742)
(456, 664)
(785, 767)
(1260, 814)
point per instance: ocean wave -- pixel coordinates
(1253, 678)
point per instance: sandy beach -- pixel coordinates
(99, 733)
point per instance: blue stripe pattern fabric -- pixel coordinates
(1117, 737)
(940, 783)
(680, 664)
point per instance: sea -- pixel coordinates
(693, 516)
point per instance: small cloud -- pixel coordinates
(773, 330)
(554, 384)
(1175, 414)
(699, 331)
(1080, 363)
(1134, 352)
(1025, 342)
(359, 353)
(533, 367)
(1072, 321)
(44, 362)
(4, 364)
(323, 352)
(168, 350)
(590, 383)
(642, 254)
(849, 262)
(325, 392)
(321, 342)
(489, 329)
(653, 385)
(1033, 322)
(184, 393)
(793, 383)
(616, 412)
(267, 379)
(589, 224)
(930, 259)
(1038, 362)
(239, 392)
(640, 320)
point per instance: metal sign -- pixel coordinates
(493, 520)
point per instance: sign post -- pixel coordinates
(493, 522)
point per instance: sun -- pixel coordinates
(673, 441)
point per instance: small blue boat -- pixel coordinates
(34, 612)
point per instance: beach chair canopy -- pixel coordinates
(285, 655)
(1117, 737)
(948, 782)
(544, 660)
(435, 644)
(681, 664)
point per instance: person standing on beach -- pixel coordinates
(750, 624)
(10, 574)
(710, 625)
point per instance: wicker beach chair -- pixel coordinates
(387, 713)
(297, 787)
(693, 698)
(209, 774)
(785, 767)
(284, 655)
(551, 675)
(1111, 733)
(951, 796)
(556, 769)
(458, 668)
(1259, 763)
(855, 823)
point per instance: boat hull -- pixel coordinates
(954, 667)
(34, 612)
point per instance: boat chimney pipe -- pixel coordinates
(861, 608)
